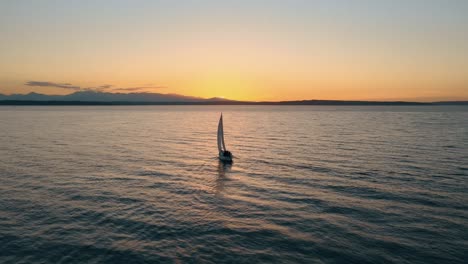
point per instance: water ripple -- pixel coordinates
(308, 185)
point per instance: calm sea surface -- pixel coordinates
(309, 184)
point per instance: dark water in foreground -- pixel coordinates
(309, 185)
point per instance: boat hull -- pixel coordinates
(224, 158)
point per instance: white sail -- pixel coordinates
(220, 135)
(224, 155)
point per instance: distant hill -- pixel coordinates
(103, 98)
(91, 96)
(339, 102)
(452, 103)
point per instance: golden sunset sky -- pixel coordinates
(244, 50)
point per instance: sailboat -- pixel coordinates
(224, 154)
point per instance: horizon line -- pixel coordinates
(226, 100)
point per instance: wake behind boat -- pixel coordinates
(224, 154)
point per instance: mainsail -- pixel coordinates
(221, 146)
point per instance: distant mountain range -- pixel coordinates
(103, 98)
(91, 96)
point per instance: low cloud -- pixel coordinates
(133, 89)
(68, 86)
(129, 89)
(100, 88)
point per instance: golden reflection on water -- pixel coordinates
(223, 168)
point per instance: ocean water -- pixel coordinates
(309, 184)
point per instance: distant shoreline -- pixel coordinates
(305, 102)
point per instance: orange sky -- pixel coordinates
(248, 50)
